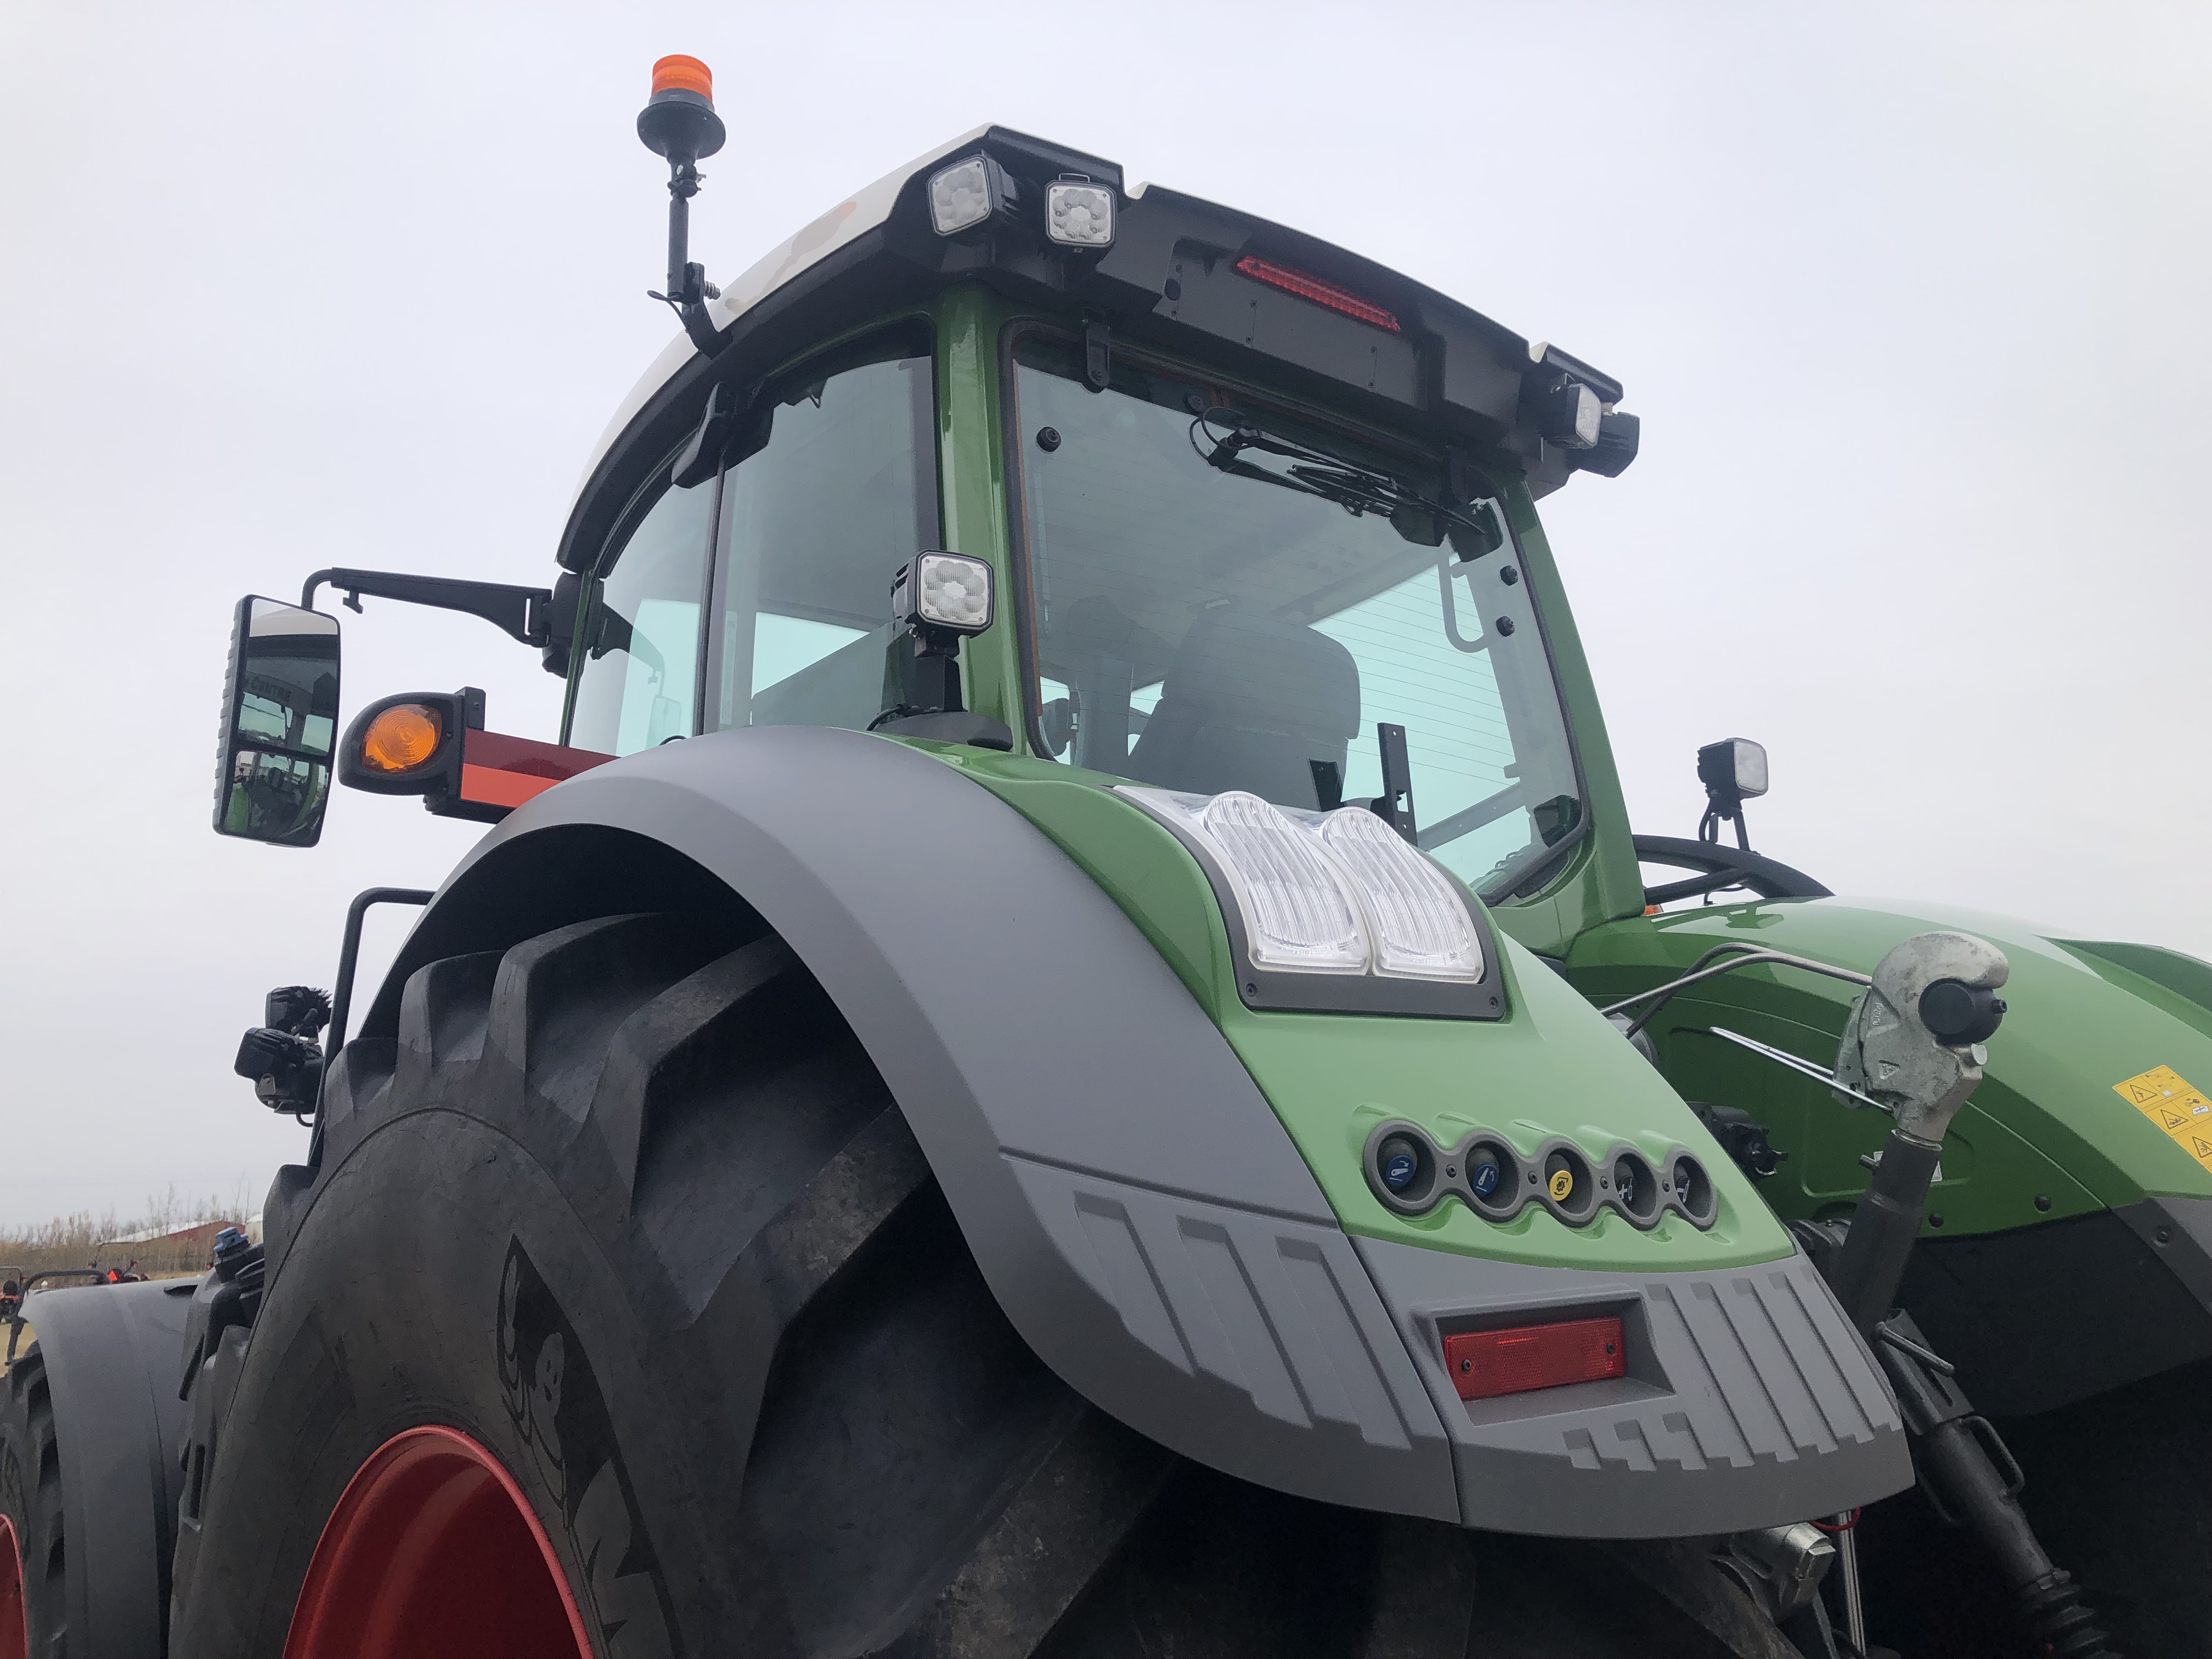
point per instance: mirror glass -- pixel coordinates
(280, 722)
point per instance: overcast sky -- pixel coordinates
(1911, 299)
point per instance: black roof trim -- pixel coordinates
(1170, 277)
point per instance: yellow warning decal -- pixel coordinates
(1562, 1183)
(2164, 1097)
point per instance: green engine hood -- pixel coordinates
(1550, 1067)
(2047, 1135)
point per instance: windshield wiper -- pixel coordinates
(1356, 488)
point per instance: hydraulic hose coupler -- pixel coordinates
(1893, 1057)
(1871, 1265)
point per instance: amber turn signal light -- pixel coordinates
(401, 738)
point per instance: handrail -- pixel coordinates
(1724, 867)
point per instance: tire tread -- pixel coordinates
(29, 1442)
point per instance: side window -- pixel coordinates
(814, 526)
(640, 679)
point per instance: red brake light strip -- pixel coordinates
(1309, 286)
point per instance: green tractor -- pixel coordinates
(1069, 1055)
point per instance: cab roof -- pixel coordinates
(1180, 270)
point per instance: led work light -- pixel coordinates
(1733, 771)
(940, 599)
(1079, 213)
(969, 193)
(1734, 766)
(1570, 415)
(949, 590)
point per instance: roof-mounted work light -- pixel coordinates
(975, 191)
(679, 122)
(1568, 402)
(1569, 415)
(1079, 213)
(971, 192)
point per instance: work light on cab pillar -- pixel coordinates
(679, 122)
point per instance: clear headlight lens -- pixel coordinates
(1342, 894)
(1421, 927)
(1295, 908)
(1298, 913)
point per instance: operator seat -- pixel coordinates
(1250, 701)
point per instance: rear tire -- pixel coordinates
(31, 1515)
(629, 1208)
(90, 1434)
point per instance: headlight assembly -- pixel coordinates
(1334, 910)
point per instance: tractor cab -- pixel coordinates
(1207, 587)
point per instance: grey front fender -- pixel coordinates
(1129, 1195)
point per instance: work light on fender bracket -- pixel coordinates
(938, 599)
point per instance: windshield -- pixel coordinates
(1208, 612)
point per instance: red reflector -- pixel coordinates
(1485, 1364)
(1312, 288)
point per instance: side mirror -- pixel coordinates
(280, 715)
(1733, 771)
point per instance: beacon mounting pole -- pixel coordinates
(679, 122)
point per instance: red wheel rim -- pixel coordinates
(433, 1552)
(15, 1617)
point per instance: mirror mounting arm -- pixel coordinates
(524, 614)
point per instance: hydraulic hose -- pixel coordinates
(1957, 1464)
(1883, 1230)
